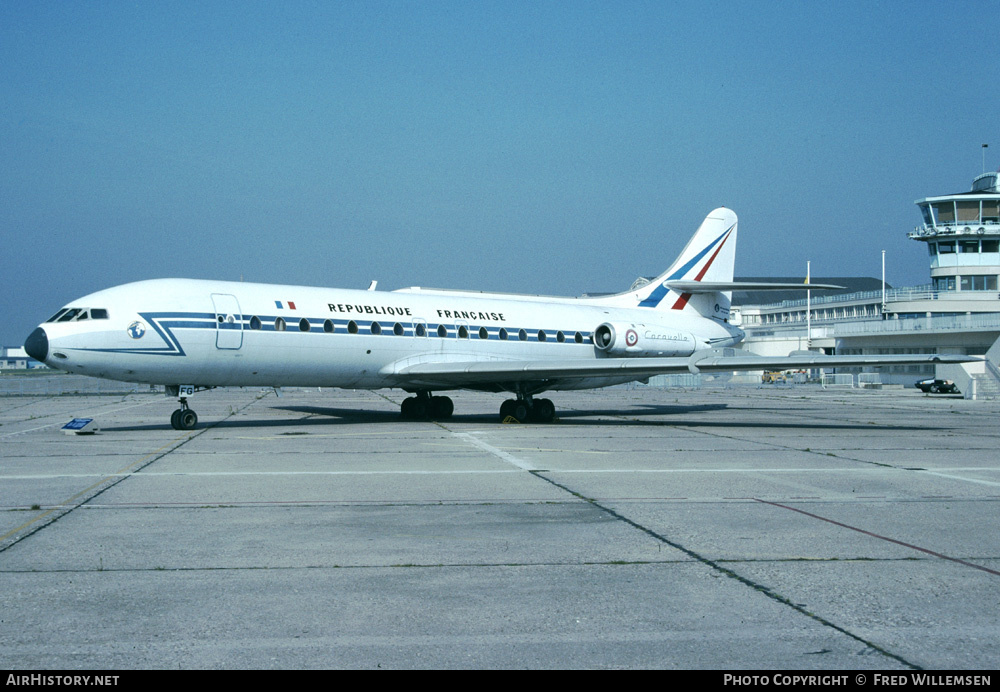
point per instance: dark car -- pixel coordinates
(933, 386)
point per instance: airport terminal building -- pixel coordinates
(958, 312)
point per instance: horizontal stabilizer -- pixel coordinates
(712, 286)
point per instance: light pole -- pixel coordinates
(883, 284)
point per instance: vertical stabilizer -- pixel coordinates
(709, 256)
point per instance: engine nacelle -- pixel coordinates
(639, 340)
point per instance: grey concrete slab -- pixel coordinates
(645, 528)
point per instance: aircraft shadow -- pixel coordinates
(633, 415)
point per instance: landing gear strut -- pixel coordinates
(423, 406)
(183, 418)
(524, 409)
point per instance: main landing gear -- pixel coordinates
(527, 410)
(523, 409)
(423, 406)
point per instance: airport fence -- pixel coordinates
(56, 385)
(837, 380)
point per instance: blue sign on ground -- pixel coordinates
(78, 424)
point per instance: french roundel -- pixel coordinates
(631, 338)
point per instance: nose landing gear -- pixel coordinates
(183, 418)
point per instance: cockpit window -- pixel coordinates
(79, 314)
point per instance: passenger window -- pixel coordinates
(578, 338)
(541, 335)
(304, 325)
(484, 333)
(503, 334)
(442, 331)
(255, 322)
(376, 328)
(279, 324)
(522, 335)
(463, 332)
(397, 329)
(560, 337)
(352, 327)
(328, 327)
(420, 329)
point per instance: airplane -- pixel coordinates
(192, 335)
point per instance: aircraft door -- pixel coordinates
(228, 321)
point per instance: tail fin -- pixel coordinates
(709, 257)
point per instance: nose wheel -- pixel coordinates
(183, 418)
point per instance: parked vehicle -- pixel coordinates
(933, 386)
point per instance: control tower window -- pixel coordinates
(946, 247)
(926, 211)
(968, 211)
(991, 245)
(991, 211)
(932, 248)
(969, 247)
(945, 212)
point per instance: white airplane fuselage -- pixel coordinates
(216, 333)
(191, 334)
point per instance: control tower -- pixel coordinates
(962, 232)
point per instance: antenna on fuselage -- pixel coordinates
(372, 285)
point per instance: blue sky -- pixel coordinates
(543, 147)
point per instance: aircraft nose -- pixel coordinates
(37, 345)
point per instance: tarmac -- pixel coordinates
(761, 528)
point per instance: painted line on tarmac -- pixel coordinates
(880, 537)
(150, 474)
(962, 478)
(498, 453)
(511, 459)
(68, 505)
(717, 566)
(5, 436)
(108, 481)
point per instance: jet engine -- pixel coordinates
(637, 340)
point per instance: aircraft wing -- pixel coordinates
(482, 372)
